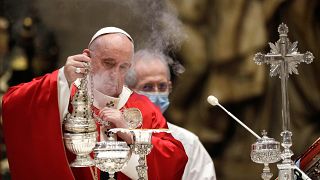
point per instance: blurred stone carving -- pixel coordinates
(218, 60)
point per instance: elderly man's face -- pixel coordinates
(152, 77)
(110, 59)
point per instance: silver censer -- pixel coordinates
(265, 151)
(80, 130)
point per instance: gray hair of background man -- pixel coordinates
(147, 56)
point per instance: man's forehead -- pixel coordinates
(110, 59)
(145, 71)
(112, 46)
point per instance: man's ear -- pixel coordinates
(86, 52)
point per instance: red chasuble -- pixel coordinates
(34, 139)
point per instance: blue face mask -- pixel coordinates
(159, 99)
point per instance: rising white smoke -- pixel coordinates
(153, 24)
(160, 29)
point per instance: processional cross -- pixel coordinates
(284, 59)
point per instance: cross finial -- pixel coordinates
(283, 29)
(283, 53)
(264, 132)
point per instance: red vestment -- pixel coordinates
(34, 138)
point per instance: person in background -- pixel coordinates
(149, 75)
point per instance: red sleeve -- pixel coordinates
(32, 131)
(167, 158)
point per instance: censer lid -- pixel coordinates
(112, 150)
(111, 145)
(266, 142)
(265, 150)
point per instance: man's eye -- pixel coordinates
(162, 87)
(147, 87)
(124, 67)
(108, 64)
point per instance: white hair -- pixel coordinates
(147, 56)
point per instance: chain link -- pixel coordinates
(98, 119)
(91, 84)
(89, 77)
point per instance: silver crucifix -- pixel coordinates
(284, 59)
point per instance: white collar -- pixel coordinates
(101, 100)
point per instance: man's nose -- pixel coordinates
(115, 72)
(156, 89)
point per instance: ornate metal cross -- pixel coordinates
(284, 59)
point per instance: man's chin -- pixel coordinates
(112, 93)
(116, 94)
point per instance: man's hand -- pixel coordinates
(115, 117)
(76, 67)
